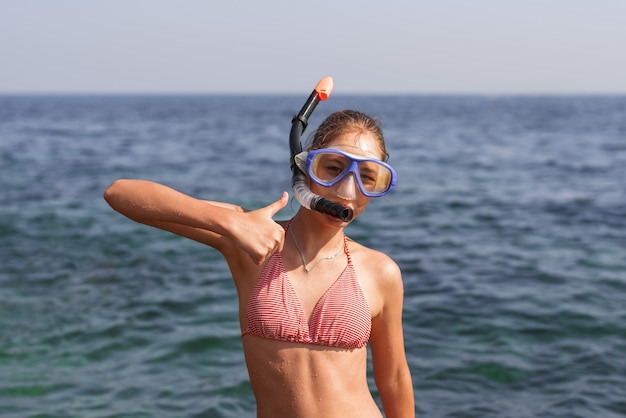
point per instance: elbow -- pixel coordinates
(397, 394)
(113, 193)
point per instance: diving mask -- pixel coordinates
(328, 166)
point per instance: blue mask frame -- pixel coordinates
(352, 168)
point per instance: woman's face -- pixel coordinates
(347, 191)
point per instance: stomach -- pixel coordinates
(305, 380)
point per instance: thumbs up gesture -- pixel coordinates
(258, 234)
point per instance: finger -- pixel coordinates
(281, 242)
(276, 206)
(258, 258)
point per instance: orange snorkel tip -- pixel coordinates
(324, 88)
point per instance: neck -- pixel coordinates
(315, 238)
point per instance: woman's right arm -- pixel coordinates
(228, 228)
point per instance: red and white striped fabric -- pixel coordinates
(341, 318)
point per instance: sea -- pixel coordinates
(508, 223)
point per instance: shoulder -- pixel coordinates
(379, 275)
(377, 262)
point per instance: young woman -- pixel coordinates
(310, 299)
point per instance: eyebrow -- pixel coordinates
(368, 170)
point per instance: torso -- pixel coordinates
(340, 318)
(310, 377)
(302, 380)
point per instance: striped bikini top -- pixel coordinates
(341, 317)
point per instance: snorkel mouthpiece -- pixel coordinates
(299, 181)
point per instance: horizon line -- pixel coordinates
(296, 93)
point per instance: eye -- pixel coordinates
(369, 175)
(367, 179)
(333, 168)
(334, 164)
(329, 166)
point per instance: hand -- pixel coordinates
(258, 234)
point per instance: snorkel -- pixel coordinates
(299, 181)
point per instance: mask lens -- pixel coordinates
(328, 166)
(375, 177)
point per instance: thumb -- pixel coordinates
(276, 206)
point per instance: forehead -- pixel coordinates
(357, 143)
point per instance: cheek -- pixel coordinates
(316, 188)
(361, 204)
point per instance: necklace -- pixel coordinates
(304, 264)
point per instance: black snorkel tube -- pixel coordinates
(299, 181)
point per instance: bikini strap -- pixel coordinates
(346, 249)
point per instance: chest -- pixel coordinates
(334, 314)
(310, 288)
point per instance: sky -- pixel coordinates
(286, 46)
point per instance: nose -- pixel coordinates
(347, 187)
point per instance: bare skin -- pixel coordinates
(292, 379)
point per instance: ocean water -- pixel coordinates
(508, 222)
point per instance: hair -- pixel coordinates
(347, 121)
